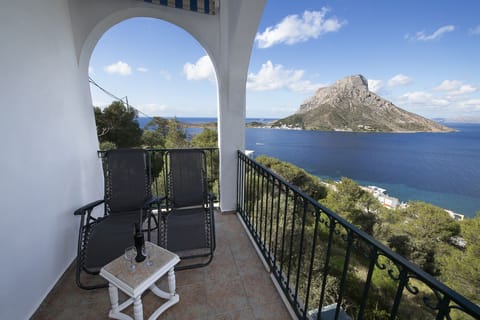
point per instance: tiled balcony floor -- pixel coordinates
(234, 286)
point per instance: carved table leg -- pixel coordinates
(171, 281)
(171, 297)
(113, 292)
(138, 308)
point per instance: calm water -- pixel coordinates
(143, 121)
(440, 168)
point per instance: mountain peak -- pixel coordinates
(352, 82)
(348, 105)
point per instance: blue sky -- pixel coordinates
(424, 56)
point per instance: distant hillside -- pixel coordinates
(348, 105)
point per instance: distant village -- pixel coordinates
(394, 203)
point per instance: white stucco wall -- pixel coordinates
(48, 163)
(49, 166)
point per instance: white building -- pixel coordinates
(382, 196)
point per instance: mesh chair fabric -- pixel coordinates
(187, 178)
(127, 182)
(187, 228)
(108, 239)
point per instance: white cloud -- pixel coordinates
(423, 98)
(464, 89)
(470, 107)
(475, 31)
(305, 86)
(201, 70)
(119, 67)
(154, 109)
(456, 87)
(474, 103)
(448, 99)
(293, 28)
(142, 69)
(399, 80)
(435, 35)
(274, 77)
(375, 85)
(163, 110)
(448, 85)
(166, 75)
(102, 104)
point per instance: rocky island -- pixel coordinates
(348, 105)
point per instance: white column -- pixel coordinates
(232, 60)
(231, 138)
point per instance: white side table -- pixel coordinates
(135, 283)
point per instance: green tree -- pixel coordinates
(176, 135)
(428, 229)
(154, 133)
(158, 124)
(208, 138)
(353, 203)
(461, 268)
(306, 182)
(153, 139)
(429, 221)
(117, 124)
(107, 145)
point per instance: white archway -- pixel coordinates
(224, 36)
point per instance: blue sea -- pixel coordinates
(439, 168)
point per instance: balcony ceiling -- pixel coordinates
(201, 6)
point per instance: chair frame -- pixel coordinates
(88, 222)
(169, 208)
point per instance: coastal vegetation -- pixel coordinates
(118, 127)
(421, 232)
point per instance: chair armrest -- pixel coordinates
(88, 207)
(211, 196)
(153, 200)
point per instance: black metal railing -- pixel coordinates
(327, 267)
(158, 167)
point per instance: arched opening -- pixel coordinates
(162, 69)
(159, 77)
(227, 43)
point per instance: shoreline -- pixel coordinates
(248, 125)
(400, 204)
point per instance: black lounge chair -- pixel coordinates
(186, 225)
(128, 200)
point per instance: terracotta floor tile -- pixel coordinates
(244, 314)
(186, 277)
(226, 296)
(259, 289)
(234, 286)
(271, 311)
